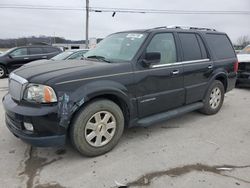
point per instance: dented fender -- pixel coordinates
(70, 102)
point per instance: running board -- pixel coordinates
(157, 118)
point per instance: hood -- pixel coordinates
(37, 62)
(42, 72)
(2, 58)
(243, 58)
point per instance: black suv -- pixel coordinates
(16, 57)
(132, 78)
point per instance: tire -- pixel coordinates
(214, 98)
(3, 72)
(97, 128)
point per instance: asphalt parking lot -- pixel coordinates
(190, 151)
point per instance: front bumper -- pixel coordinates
(47, 130)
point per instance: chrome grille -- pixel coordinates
(16, 86)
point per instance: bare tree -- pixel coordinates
(243, 41)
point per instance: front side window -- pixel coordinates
(19, 52)
(119, 46)
(190, 47)
(164, 44)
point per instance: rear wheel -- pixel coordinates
(97, 128)
(3, 71)
(214, 98)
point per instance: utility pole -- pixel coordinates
(87, 24)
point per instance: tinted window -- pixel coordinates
(164, 44)
(19, 52)
(34, 51)
(202, 47)
(190, 46)
(51, 50)
(221, 46)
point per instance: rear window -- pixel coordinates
(221, 46)
(190, 47)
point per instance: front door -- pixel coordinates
(18, 58)
(160, 87)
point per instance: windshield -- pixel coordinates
(119, 46)
(246, 50)
(6, 52)
(62, 56)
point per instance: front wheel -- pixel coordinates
(3, 72)
(97, 128)
(214, 98)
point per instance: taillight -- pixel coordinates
(236, 66)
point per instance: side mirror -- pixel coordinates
(151, 58)
(10, 56)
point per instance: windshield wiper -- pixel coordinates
(98, 58)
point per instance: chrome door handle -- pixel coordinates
(44, 57)
(175, 72)
(25, 58)
(210, 66)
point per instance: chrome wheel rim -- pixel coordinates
(100, 129)
(215, 98)
(1, 72)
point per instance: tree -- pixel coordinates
(243, 41)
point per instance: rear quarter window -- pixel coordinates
(51, 50)
(220, 45)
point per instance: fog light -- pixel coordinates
(28, 126)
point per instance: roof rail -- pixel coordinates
(184, 27)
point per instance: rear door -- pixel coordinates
(197, 66)
(51, 52)
(36, 53)
(160, 87)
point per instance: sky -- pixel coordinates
(71, 24)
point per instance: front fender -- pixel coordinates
(69, 103)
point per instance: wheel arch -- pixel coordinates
(223, 79)
(220, 76)
(118, 95)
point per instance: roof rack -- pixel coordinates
(185, 27)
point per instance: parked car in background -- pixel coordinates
(67, 55)
(243, 79)
(132, 78)
(70, 54)
(16, 57)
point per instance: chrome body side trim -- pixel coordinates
(180, 63)
(152, 68)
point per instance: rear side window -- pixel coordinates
(190, 47)
(35, 51)
(202, 47)
(221, 46)
(51, 50)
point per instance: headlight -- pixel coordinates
(39, 93)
